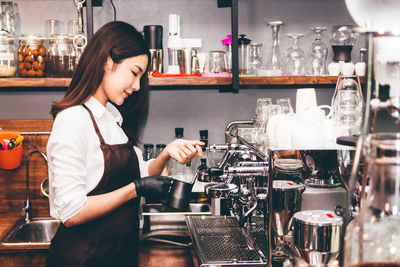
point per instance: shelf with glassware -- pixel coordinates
(183, 81)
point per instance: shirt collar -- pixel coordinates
(98, 109)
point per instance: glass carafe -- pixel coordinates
(347, 104)
(373, 237)
(255, 58)
(274, 61)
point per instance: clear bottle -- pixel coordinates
(148, 151)
(159, 149)
(8, 21)
(8, 61)
(175, 169)
(373, 237)
(62, 56)
(274, 64)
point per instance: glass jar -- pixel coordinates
(62, 56)
(373, 237)
(8, 62)
(32, 56)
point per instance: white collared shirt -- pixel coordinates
(76, 162)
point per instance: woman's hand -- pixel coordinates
(183, 150)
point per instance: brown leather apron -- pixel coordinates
(112, 240)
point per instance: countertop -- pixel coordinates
(151, 253)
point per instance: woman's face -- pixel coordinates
(121, 80)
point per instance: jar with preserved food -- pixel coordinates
(32, 56)
(8, 63)
(62, 56)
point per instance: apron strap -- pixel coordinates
(95, 125)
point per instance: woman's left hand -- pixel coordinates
(183, 150)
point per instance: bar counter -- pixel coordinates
(151, 253)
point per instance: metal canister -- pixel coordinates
(317, 235)
(286, 201)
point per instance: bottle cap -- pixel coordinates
(161, 145)
(243, 41)
(148, 145)
(203, 134)
(227, 41)
(178, 132)
(174, 25)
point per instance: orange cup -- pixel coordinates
(10, 159)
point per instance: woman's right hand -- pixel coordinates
(153, 187)
(183, 150)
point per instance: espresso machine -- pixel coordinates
(238, 233)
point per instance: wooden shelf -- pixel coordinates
(182, 81)
(34, 82)
(287, 80)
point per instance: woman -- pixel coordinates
(94, 166)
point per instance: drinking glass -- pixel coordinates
(286, 106)
(295, 57)
(319, 53)
(261, 109)
(216, 61)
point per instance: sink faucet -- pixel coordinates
(27, 206)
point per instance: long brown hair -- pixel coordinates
(119, 40)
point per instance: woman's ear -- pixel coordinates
(109, 64)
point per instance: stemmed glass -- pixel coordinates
(295, 56)
(319, 53)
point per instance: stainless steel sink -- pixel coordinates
(38, 231)
(159, 217)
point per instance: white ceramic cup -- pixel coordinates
(305, 99)
(334, 68)
(348, 68)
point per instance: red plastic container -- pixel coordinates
(10, 159)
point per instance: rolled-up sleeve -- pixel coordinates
(67, 154)
(143, 165)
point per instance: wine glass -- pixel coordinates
(319, 53)
(295, 57)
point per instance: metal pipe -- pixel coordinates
(89, 19)
(28, 207)
(235, 52)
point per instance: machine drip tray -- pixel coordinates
(219, 241)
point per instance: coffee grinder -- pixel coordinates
(153, 35)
